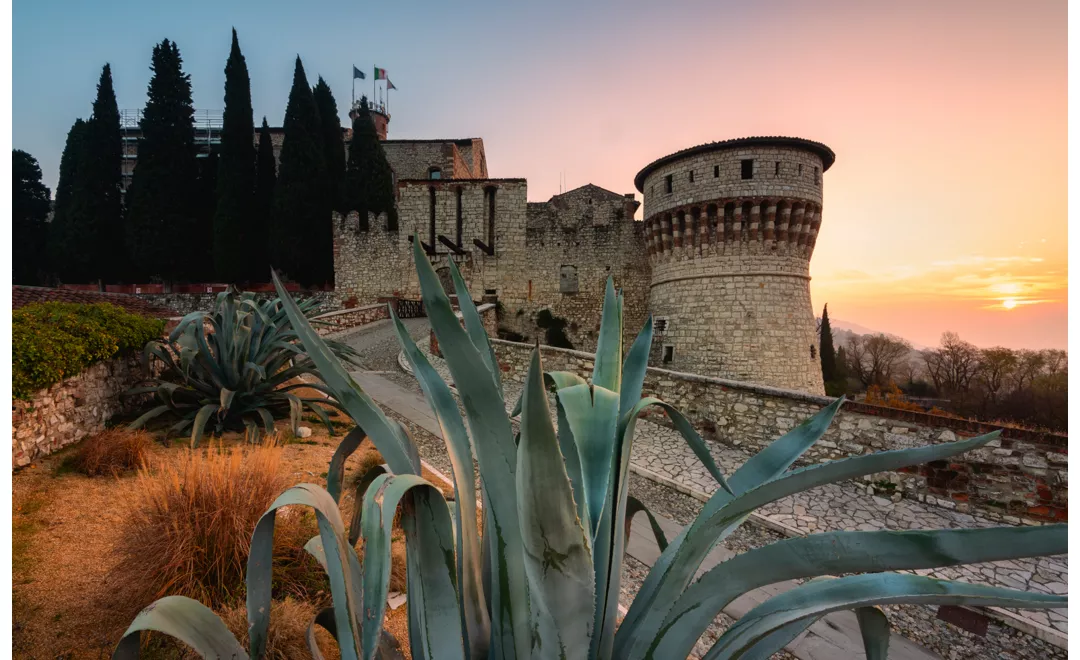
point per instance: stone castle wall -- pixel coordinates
(1022, 477)
(730, 260)
(71, 410)
(185, 303)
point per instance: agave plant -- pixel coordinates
(543, 580)
(237, 376)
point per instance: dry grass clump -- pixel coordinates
(190, 526)
(113, 452)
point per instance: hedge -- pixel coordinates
(54, 340)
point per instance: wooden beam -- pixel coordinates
(489, 251)
(450, 244)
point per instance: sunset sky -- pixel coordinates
(946, 208)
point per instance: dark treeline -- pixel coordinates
(226, 214)
(1016, 386)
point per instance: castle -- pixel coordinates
(721, 259)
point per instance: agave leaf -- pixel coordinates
(338, 563)
(874, 626)
(267, 419)
(336, 473)
(324, 618)
(723, 513)
(633, 507)
(474, 326)
(362, 485)
(296, 408)
(314, 407)
(226, 401)
(434, 617)
(687, 431)
(199, 424)
(187, 620)
(767, 464)
(817, 598)
(569, 450)
(147, 416)
(497, 456)
(634, 367)
(607, 368)
(558, 559)
(839, 553)
(473, 608)
(388, 438)
(592, 414)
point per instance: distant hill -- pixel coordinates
(843, 329)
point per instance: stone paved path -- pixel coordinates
(661, 451)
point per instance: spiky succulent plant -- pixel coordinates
(240, 375)
(543, 580)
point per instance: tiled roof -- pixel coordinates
(24, 295)
(826, 154)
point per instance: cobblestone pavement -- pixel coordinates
(378, 345)
(845, 506)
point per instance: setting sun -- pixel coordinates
(1009, 303)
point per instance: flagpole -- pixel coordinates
(353, 76)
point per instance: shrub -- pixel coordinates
(235, 369)
(112, 452)
(189, 530)
(54, 340)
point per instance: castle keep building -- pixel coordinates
(721, 259)
(730, 228)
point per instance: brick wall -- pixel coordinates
(1021, 477)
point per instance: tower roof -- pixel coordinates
(826, 154)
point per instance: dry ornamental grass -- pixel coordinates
(113, 452)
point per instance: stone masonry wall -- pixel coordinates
(185, 303)
(1021, 477)
(585, 235)
(70, 410)
(350, 318)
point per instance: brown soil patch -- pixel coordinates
(66, 527)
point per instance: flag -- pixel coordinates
(357, 73)
(380, 74)
(389, 85)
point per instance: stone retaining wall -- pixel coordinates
(71, 409)
(351, 318)
(1021, 477)
(185, 303)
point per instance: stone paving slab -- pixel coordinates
(847, 506)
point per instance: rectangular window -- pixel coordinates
(669, 354)
(716, 171)
(568, 282)
(667, 183)
(691, 176)
(817, 177)
(748, 168)
(490, 192)
(777, 173)
(459, 221)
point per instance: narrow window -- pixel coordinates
(691, 176)
(716, 171)
(817, 177)
(777, 172)
(669, 354)
(660, 325)
(748, 168)
(568, 281)
(491, 217)
(813, 352)
(434, 173)
(431, 220)
(667, 183)
(459, 222)
(800, 169)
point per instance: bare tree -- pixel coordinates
(952, 365)
(1029, 364)
(995, 369)
(874, 359)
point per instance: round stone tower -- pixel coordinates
(730, 227)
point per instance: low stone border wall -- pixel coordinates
(343, 319)
(70, 410)
(1021, 477)
(187, 302)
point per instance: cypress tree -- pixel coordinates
(163, 223)
(369, 181)
(828, 351)
(29, 212)
(265, 177)
(299, 198)
(334, 157)
(67, 237)
(95, 215)
(234, 214)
